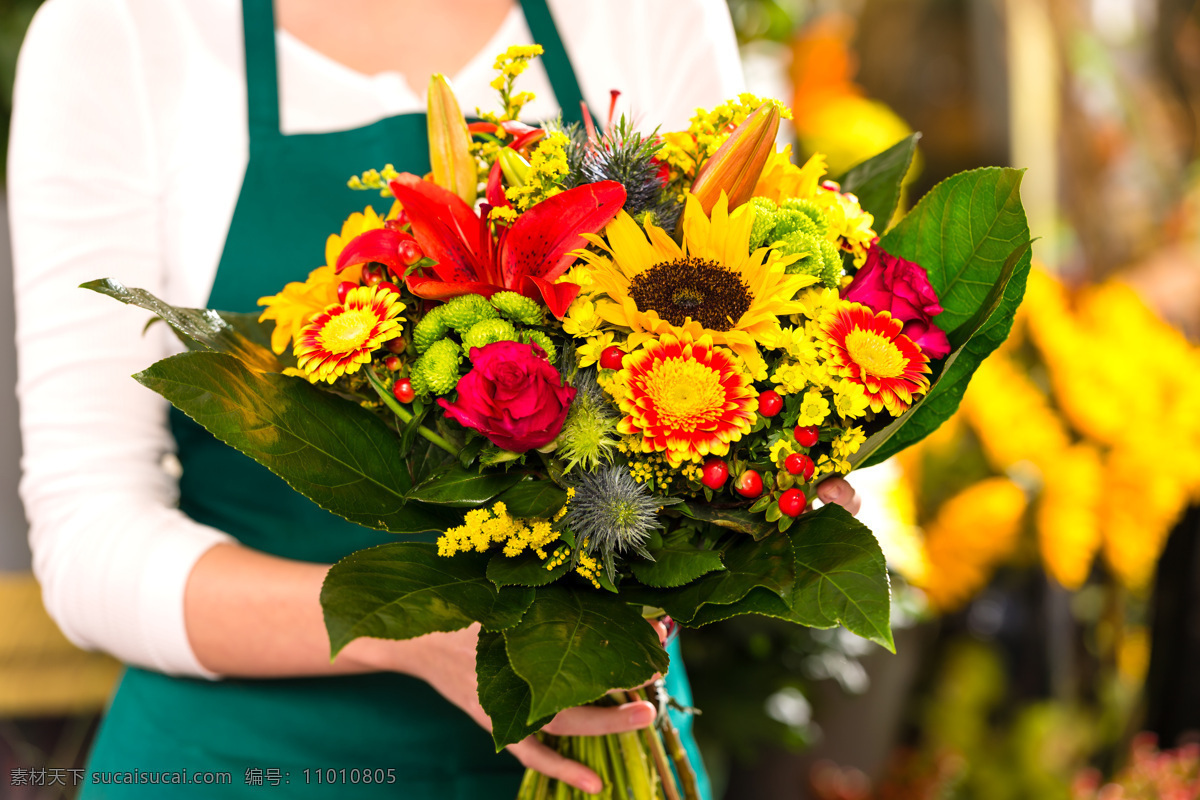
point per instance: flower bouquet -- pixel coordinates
(607, 370)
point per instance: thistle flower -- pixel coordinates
(611, 512)
(589, 435)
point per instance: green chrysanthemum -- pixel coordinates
(611, 512)
(588, 437)
(463, 312)
(518, 308)
(430, 329)
(437, 370)
(483, 333)
(541, 340)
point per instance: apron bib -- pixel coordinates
(363, 736)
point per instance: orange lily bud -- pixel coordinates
(737, 164)
(450, 142)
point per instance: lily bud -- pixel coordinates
(737, 164)
(450, 142)
(514, 166)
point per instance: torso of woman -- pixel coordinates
(138, 176)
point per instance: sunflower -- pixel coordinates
(300, 301)
(342, 337)
(868, 349)
(711, 286)
(685, 397)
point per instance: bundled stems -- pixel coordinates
(634, 765)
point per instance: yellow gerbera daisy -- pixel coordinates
(300, 301)
(711, 286)
(342, 337)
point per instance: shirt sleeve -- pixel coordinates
(111, 550)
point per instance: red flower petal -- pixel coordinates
(374, 245)
(432, 289)
(557, 296)
(445, 227)
(540, 241)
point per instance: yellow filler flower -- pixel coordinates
(711, 286)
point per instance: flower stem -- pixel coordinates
(404, 414)
(679, 757)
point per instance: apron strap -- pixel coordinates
(557, 63)
(262, 78)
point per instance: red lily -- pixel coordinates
(526, 258)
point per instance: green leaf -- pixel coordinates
(675, 563)
(841, 576)
(748, 563)
(196, 326)
(505, 697)
(759, 601)
(735, 519)
(970, 235)
(530, 499)
(878, 180)
(424, 459)
(340, 456)
(523, 570)
(572, 647)
(463, 488)
(404, 590)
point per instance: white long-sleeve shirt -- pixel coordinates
(128, 147)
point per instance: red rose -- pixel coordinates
(513, 396)
(888, 283)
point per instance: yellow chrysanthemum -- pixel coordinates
(850, 399)
(711, 286)
(687, 399)
(813, 409)
(342, 337)
(581, 319)
(590, 351)
(300, 301)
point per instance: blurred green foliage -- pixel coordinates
(14, 20)
(774, 20)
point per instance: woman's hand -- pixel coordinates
(838, 490)
(446, 661)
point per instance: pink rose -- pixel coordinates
(513, 396)
(888, 283)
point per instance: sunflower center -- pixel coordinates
(348, 331)
(877, 355)
(704, 291)
(686, 394)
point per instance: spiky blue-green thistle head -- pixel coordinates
(611, 512)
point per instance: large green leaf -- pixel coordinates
(965, 232)
(502, 693)
(677, 562)
(335, 453)
(462, 487)
(877, 181)
(748, 563)
(405, 589)
(534, 499)
(572, 646)
(197, 326)
(841, 576)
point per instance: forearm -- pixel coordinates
(254, 615)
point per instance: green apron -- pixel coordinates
(362, 736)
